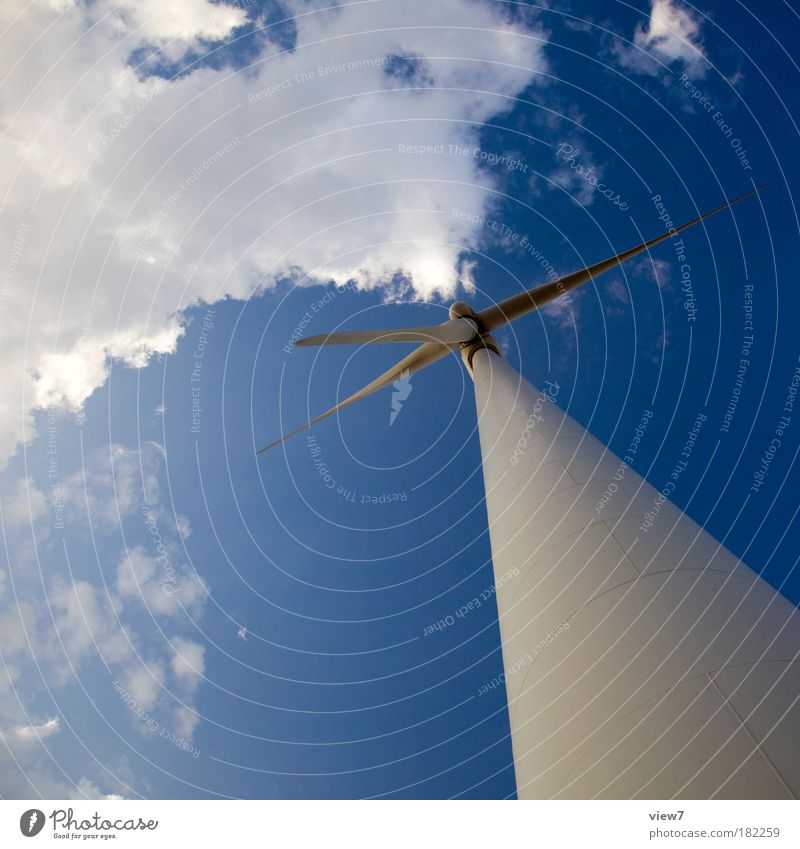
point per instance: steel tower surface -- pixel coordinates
(642, 659)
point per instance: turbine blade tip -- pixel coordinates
(270, 445)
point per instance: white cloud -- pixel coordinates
(17, 621)
(643, 269)
(577, 173)
(618, 291)
(28, 733)
(562, 312)
(143, 683)
(183, 525)
(182, 20)
(672, 34)
(162, 585)
(86, 625)
(185, 721)
(87, 789)
(23, 504)
(114, 483)
(650, 268)
(188, 664)
(130, 199)
(59, 627)
(26, 767)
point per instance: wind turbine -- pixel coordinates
(642, 658)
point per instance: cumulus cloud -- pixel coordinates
(144, 684)
(184, 21)
(130, 196)
(186, 721)
(577, 172)
(672, 34)
(24, 503)
(617, 290)
(25, 771)
(158, 584)
(650, 268)
(113, 484)
(27, 733)
(61, 625)
(138, 184)
(188, 663)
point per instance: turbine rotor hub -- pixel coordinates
(460, 309)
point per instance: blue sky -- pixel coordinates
(189, 191)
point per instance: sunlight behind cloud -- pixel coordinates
(141, 195)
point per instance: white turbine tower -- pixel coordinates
(642, 658)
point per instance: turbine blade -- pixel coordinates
(449, 333)
(525, 302)
(418, 359)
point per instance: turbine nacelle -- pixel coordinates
(469, 330)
